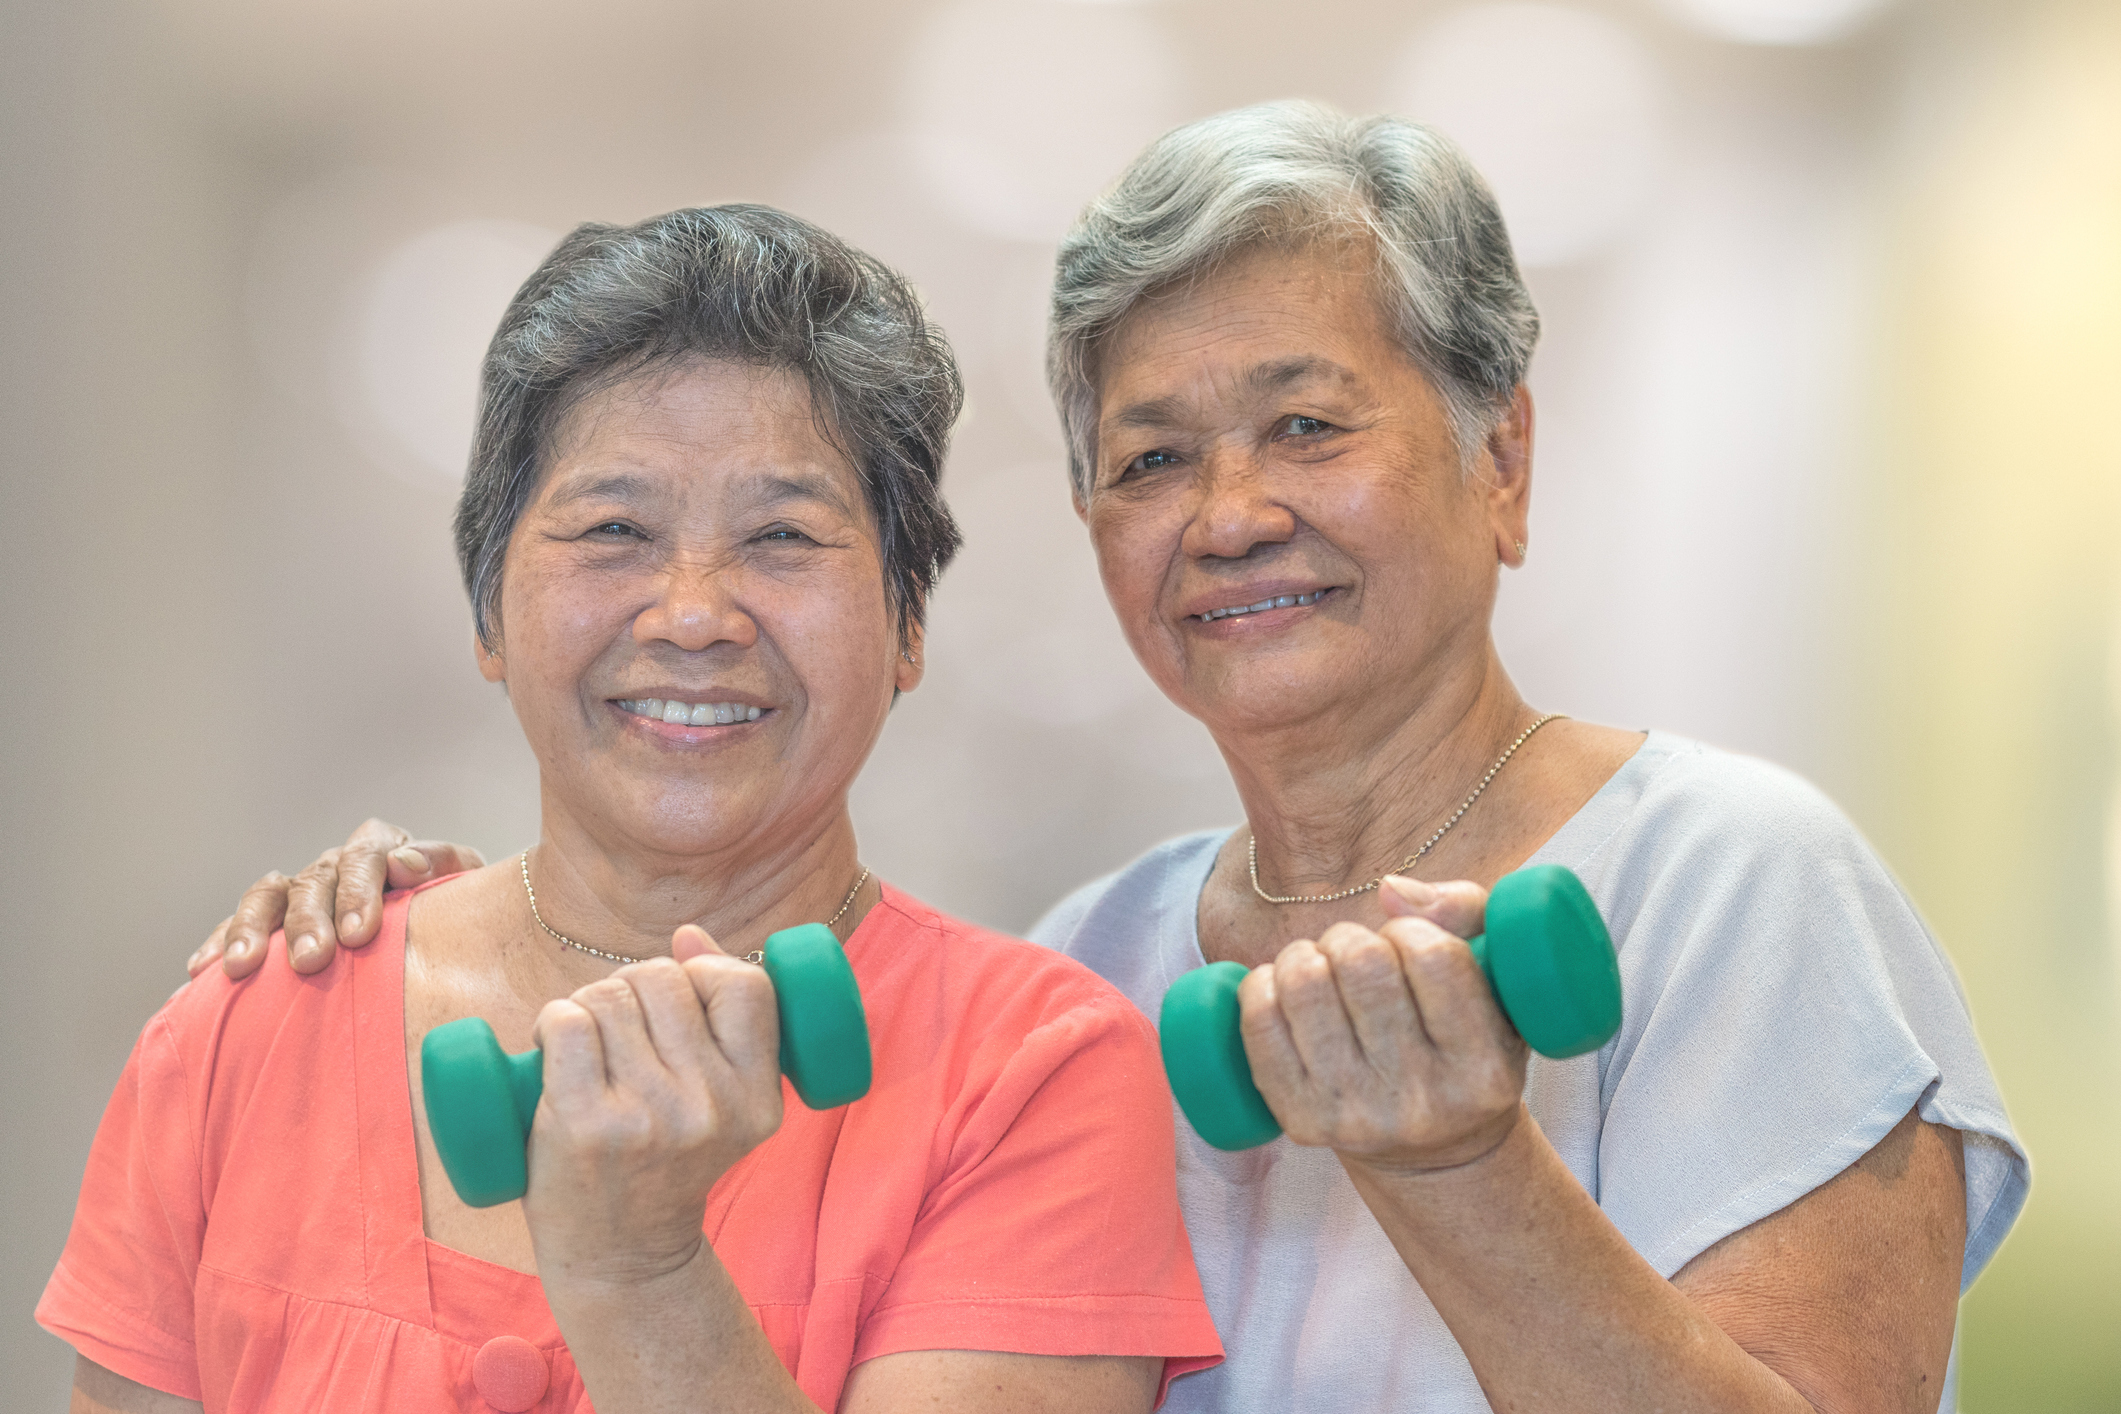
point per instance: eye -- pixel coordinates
(782, 535)
(1149, 461)
(614, 530)
(1302, 426)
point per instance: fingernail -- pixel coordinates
(239, 949)
(191, 964)
(1414, 891)
(305, 948)
(411, 858)
(351, 923)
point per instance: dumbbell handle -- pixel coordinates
(1546, 956)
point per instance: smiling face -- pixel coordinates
(1281, 515)
(694, 628)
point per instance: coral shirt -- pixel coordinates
(249, 1228)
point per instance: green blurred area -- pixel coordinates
(1999, 695)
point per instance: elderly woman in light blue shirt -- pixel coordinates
(1288, 349)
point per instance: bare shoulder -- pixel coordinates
(1851, 1292)
(452, 914)
(457, 962)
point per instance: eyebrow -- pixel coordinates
(1277, 376)
(617, 485)
(786, 486)
(775, 489)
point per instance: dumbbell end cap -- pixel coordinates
(1558, 978)
(465, 1080)
(824, 1032)
(1204, 1056)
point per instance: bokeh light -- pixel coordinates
(1023, 109)
(1777, 21)
(1561, 109)
(427, 312)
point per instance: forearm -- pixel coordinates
(1554, 1309)
(682, 1341)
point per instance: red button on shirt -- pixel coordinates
(510, 1373)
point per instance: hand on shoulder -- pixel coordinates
(337, 901)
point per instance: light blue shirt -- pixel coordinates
(1785, 1007)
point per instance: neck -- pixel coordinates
(629, 901)
(1331, 809)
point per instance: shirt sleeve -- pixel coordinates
(1785, 1007)
(1055, 1229)
(122, 1292)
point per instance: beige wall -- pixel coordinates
(1827, 464)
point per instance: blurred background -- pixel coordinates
(1829, 465)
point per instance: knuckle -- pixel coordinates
(1437, 954)
(750, 983)
(1343, 936)
(1369, 959)
(660, 970)
(604, 992)
(1301, 961)
(561, 1019)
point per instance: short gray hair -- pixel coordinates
(1291, 172)
(741, 282)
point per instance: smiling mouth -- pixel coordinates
(690, 714)
(1279, 601)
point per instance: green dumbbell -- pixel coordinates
(480, 1099)
(1546, 953)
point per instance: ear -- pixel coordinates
(912, 662)
(491, 667)
(1506, 479)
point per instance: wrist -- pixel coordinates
(1473, 1158)
(630, 1276)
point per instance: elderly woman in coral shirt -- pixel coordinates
(699, 533)
(1289, 350)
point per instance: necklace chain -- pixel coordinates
(1252, 844)
(532, 895)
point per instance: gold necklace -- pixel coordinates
(532, 895)
(1252, 844)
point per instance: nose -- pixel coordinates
(697, 605)
(1236, 509)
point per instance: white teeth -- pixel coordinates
(690, 714)
(1279, 601)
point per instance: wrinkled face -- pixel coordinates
(694, 627)
(1281, 515)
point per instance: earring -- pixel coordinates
(1520, 552)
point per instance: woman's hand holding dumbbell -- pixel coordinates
(658, 1079)
(1402, 1048)
(1387, 1045)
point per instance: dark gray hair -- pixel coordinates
(746, 283)
(1292, 172)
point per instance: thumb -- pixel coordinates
(691, 941)
(1458, 906)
